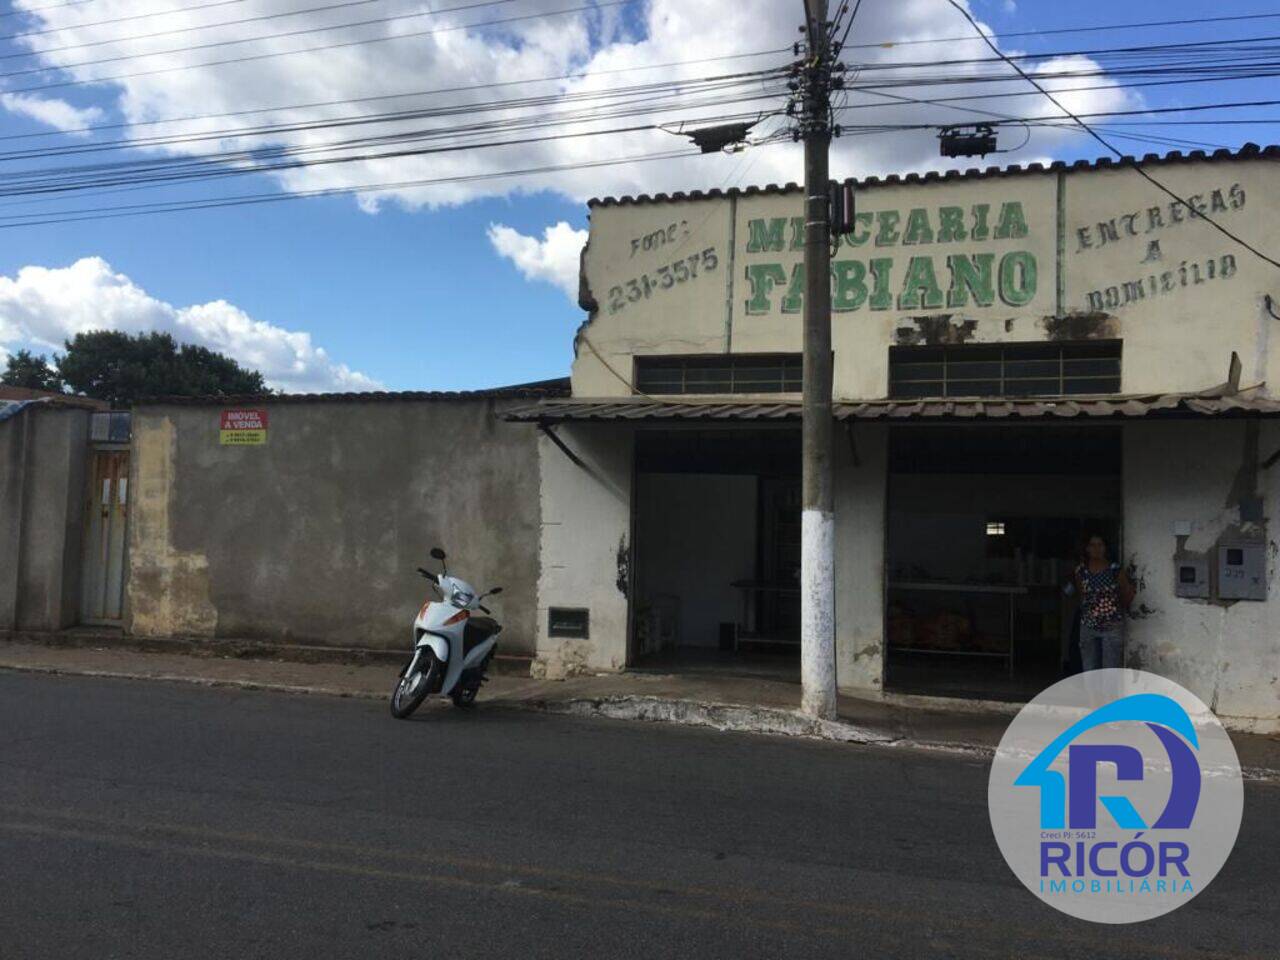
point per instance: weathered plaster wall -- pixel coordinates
(42, 485)
(586, 547)
(1228, 654)
(315, 536)
(1088, 254)
(861, 471)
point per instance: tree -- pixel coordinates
(123, 369)
(25, 369)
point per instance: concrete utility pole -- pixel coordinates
(817, 521)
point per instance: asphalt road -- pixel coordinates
(151, 820)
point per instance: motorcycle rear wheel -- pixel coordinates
(412, 688)
(465, 696)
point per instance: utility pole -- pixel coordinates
(817, 521)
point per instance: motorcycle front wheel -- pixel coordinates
(412, 688)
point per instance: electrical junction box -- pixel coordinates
(1242, 571)
(1191, 577)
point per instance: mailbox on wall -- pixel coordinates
(1191, 577)
(1242, 571)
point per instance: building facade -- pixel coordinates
(170, 522)
(1023, 357)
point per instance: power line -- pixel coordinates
(287, 53)
(1190, 21)
(165, 170)
(227, 23)
(1102, 140)
(605, 3)
(284, 34)
(389, 96)
(603, 103)
(134, 16)
(52, 6)
(244, 199)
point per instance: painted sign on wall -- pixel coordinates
(243, 427)
(880, 281)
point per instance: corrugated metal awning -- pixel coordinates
(1156, 406)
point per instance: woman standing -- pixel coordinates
(1105, 592)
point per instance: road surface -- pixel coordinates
(150, 820)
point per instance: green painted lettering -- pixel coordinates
(950, 225)
(971, 275)
(887, 236)
(980, 229)
(881, 298)
(849, 285)
(918, 229)
(920, 290)
(861, 228)
(793, 302)
(763, 277)
(1013, 224)
(764, 235)
(1017, 278)
(797, 233)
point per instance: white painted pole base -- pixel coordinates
(817, 614)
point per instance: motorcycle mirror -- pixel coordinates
(437, 553)
(495, 590)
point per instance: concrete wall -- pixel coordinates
(586, 545)
(1087, 254)
(861, 467)
(43, 457)
(695, 535)
(1209, 474)
(314, 537)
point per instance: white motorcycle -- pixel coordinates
(451, 647)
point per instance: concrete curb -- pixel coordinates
(718, 716)
(221, 648)
(726, 717)
(267, 686)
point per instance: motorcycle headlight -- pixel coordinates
(462, 599)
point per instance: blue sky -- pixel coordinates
(416, 295)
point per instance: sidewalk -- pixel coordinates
(750, 705)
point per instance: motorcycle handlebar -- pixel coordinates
(485, 610)
(429, 575)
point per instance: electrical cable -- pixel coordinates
(287, 53)
(248, 199)
(1102, 140)
(136, 16)
(389, 96)
(306, 31)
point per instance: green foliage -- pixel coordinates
(123, 369)
(25, 369)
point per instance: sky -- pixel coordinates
(471, 283)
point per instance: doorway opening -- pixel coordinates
(717, 552)
(105, 538)
(985, 527)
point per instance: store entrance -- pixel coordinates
(717, 552)
(985, 526)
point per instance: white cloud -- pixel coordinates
(42, 306)
(52, 112)
(599, 44)
(553, 259)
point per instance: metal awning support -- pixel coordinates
(564, 448)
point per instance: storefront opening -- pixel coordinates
(717, 551)
(985, 526)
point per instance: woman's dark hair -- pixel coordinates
(1106, 544)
